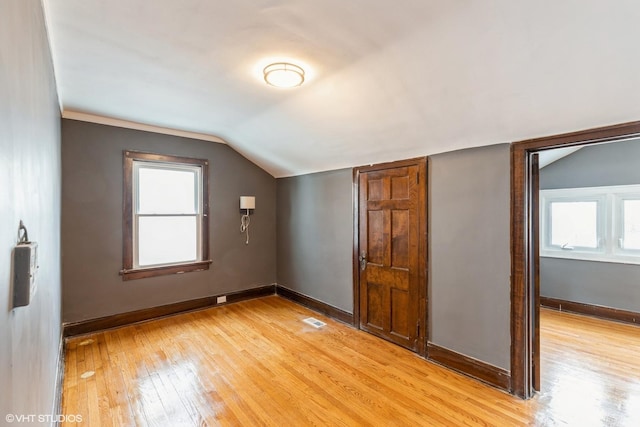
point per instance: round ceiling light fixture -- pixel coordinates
(283, 74)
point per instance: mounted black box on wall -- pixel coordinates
(25, 265)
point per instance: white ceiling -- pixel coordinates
(545, 158)
(385, 80)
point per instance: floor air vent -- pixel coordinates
(314, 322)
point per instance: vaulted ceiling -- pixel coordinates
(385, 80)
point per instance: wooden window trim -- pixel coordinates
(130, 273)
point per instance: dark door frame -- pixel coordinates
(523, 257)
(421, 162)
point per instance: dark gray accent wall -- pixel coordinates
(29, 191)
(315, 236)
(469, 245)
(599, 283)
(92, 223)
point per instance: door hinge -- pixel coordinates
(418, 329)
(418, 178)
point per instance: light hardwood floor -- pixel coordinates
(257, 363)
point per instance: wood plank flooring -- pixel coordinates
(257, 363)
(590, 371)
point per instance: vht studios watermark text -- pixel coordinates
(42, 418)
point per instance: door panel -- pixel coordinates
(399, 320)
(400, 239)
(400, 187)
(374, 189)
(391, 281)
(376, 237)
(375, 314)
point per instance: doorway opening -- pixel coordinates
(525, 233)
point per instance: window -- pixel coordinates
(596, 223)
(574, 224)
(165, 215)
(630, 235)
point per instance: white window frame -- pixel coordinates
(168, 166)
(618, 244)
(610, 225)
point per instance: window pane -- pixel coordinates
(631, 233)
(165, 240)
(162, 191)
(574, 224)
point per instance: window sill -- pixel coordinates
(592, 257)
(165, 270)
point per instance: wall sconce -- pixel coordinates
(247, 205)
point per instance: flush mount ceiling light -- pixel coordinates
(283, 74)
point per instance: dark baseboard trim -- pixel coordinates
(602, 312)
(315, 305)
(57, 403)
(123, 319)
(489, 374)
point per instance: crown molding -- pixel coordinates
(109, 121)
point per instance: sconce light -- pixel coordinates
(247, 205)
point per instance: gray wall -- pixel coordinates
(92, 223)
(616, 163)
(469, 247)
(315, 236)
(29, 191)
(600, 283)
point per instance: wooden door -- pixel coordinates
(392, 252)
